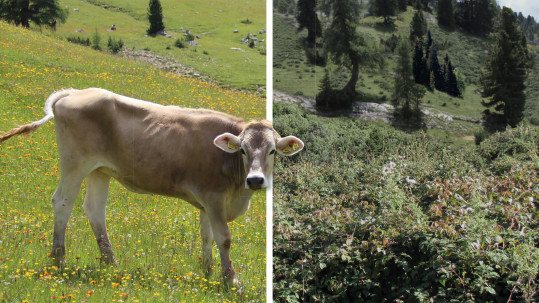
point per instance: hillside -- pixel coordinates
(159, 253)
(294, 75)
(378, 212)
(220, 54)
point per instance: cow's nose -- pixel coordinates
(255, 182)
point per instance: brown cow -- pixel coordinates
(151, 148)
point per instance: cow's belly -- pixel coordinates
(140, 188)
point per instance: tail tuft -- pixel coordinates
(49, 115)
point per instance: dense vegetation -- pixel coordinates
(368, 213)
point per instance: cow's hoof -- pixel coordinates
(234, 285)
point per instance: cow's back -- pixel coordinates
(148, 147)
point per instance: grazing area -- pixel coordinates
(156, 239)
(217, 51)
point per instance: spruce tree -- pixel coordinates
(446, 15)
(407, 94)
(344, 44)
(434, 66)
(308, 19)
(155, 16)
(385, 9)
(475, 16)
(451, 83)
(418, 26)
(39, 12)
(505, 73)
(420, 70)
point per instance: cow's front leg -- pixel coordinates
(223, 239)
(207, 242)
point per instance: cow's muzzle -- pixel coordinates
(255, 181)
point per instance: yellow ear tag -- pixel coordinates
(295, 146)
(286, 150)
(231, 146)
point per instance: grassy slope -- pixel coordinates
(159, 253)
(214, 21)
(293, 74)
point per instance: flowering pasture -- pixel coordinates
(156, 239)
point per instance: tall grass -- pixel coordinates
(156, 239)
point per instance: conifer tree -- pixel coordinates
(445, 13)
(451, 83)
(344, 43)
(155, 16)
(407, 94)
(39, 12)
(385, 9)
(418, 26)
(505, 73)
(420, 70)
(308, 19)
(434, 66)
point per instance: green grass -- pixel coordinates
(156, 239)
(291, 71)
(213, 21)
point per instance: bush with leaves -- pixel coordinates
(370, 213)
(115, 46)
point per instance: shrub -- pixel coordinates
(520, 142)
(189, 37)
(180, 43)
(79, 40)
(115, 46)
(96, 41)
(370, 213)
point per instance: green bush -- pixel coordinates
(367, 213)
(180, 43)
(79, 40)
(96, 41)
(115, 46)
(520, 142)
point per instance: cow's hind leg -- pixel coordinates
(207, 242)
(63, 201)
(97, 184)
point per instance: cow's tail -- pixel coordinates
(49, 115)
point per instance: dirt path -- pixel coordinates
(164, 63)
(432, 118)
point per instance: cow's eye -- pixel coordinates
(272, 152)
(243, 151)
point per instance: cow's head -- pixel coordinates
(258, 143)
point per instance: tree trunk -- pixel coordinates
(25, 13)
(350, 87)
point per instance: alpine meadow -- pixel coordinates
(156, 239)
(416, 183)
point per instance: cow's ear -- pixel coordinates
(227, 142)
(288, 146)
